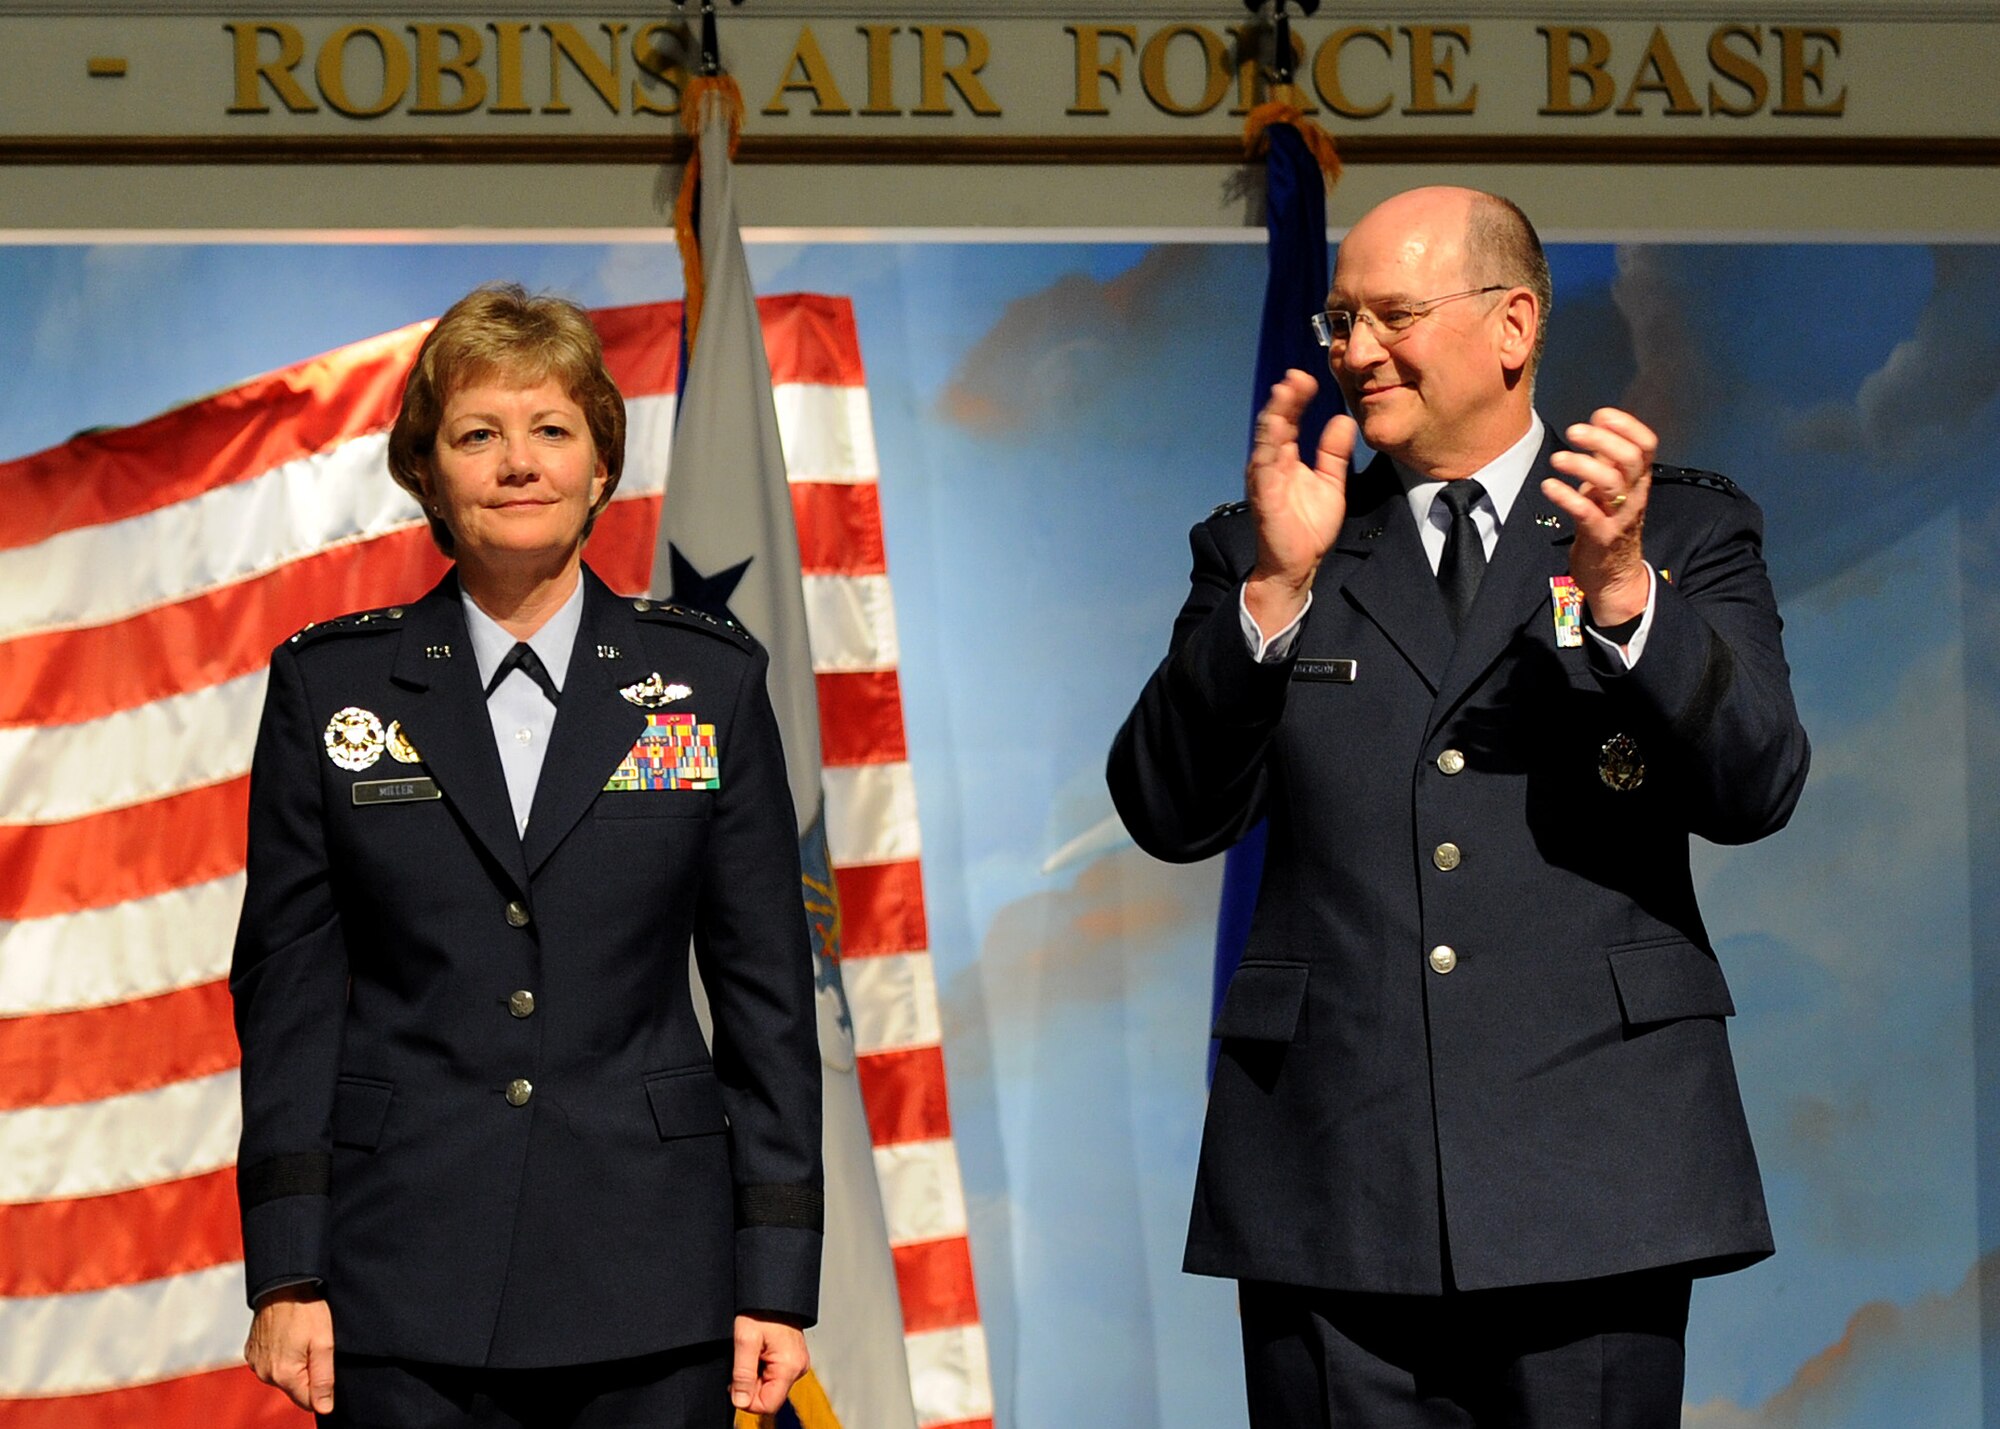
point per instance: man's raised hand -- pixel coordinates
(1298, 508)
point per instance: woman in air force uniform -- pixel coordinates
(491, 1172)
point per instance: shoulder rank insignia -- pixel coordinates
(354, 738)
(1690, 476)
(653, 693)
(400, 748)
(689, 617)
(347, 624)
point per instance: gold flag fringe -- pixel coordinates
(705, 100)
(809, 1402)
(1287, 105)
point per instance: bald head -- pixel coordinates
(1444, 289)
(1478, 238)
(1501, 246)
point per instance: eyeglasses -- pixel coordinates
(1335, 326)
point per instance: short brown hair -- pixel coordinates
(498, 330)
(1501, 246)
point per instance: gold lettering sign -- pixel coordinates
(364, 70)
(1182, 70)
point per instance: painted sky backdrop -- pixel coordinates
(1051, 418)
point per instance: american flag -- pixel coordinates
(147, 573)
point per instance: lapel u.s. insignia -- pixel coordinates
(1620, 765)
(400, 748)
(654, 693)
(354, 738)
(677, 751)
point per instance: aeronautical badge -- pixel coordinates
(1619, 764)
(354, 738)
(400, 748)
(653, 693)
(677, 751)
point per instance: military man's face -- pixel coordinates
(1435, 390)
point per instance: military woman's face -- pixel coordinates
(514, 472)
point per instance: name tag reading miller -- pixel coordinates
(395, 791)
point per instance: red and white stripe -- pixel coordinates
(148, 572)
(876, 847)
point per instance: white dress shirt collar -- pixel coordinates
(1502, 477)
(552, 644)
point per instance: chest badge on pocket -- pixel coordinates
(354, 738)
(1620, 765)
(676, 751)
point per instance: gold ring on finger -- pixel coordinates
(1618, 499)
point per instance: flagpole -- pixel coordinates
(1299, 166)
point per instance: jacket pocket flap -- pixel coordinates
(685, 1103)
(360, 1106)
(1263, 1002)
(1659, 982)
(656, 803)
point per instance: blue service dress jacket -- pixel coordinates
(1478, 1031)
(477, 1103)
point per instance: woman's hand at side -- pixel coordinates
(291, 1345)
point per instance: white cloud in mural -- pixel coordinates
(1064, 354)
(1935, 382)
(1678, 380)
(1857, 1066)
(639, 272)
(128, 280)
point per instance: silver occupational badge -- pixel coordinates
(400, 748)
(1619, 764)
(354, 738)
(654, 693)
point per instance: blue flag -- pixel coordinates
(1294, 289)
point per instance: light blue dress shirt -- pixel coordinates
(522, 715)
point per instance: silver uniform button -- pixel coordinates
(522, 1003)
(1443, 959)
(1447, 857)
(517, 914)
(1451, 762)
(642, 605)
(519, 1090)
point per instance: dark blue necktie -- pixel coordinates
(523, 658)
(1464, 558)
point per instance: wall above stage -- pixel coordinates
(1609, 117)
